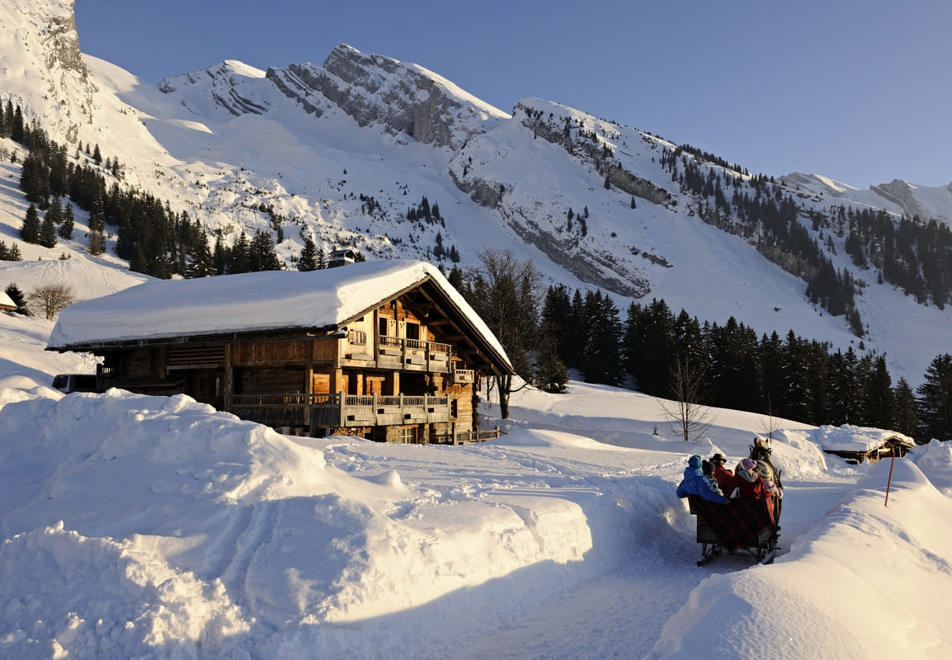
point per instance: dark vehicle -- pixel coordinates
(67, 383)
(743, 526)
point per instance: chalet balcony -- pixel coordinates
(339, 410)
(413, 355)
(462, 376)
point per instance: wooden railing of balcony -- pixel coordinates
(413, 354)
(339, 410)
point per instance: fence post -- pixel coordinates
(889, 480)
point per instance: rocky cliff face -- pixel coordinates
(906, 196)
(231, 86)
(372, 89)
(554, 130)
(44, 36)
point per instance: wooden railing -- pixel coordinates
(413, 354)
(462, 437)
(339, 410)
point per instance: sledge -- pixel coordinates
(743, 527)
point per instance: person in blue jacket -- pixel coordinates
(694, 483)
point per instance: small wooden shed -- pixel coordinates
(6, 303)
(858, 444)
(388, 350)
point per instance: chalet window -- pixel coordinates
(413, 330)
(358, 337)
(382, 327)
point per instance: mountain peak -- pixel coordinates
(406, 99)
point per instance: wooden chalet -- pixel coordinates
(6, 303)
(386, 350)
(863, 444)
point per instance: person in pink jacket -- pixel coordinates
(747, 480)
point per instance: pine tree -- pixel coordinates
(66, 228)
(47, 235)
(935, 400)
(239, 260)
(556, 319)
(550, 372)
(97, 215)
(602, 356)
(261, 253)
(30, 230)
(879, 400)
(18, 298)
(905, 415)
(308, 259)
(203, 264)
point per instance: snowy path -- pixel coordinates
(616, 616)
(621, 615)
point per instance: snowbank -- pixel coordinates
(864, 582)
(139, 525)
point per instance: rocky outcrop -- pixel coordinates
(481, 192)
(551, 131)
(901, 193)
(373, 89)
(229, 85)
(43, 36)
(61, 43)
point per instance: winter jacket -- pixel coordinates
(724, 479)
(750, 489)
(694, 483)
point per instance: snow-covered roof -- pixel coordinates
(857, 438)
(252, 302)
(6, 301)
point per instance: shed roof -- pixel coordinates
(259, 302)
(857, 438)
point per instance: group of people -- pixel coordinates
(750, 479)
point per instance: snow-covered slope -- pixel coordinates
(136, 526)
(341, 152)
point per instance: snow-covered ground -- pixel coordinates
(139, 526)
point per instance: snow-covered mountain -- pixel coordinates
(342, 152)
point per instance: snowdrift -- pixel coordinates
(863, 583)
(156, 526)
(139, 525)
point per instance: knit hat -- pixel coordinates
(747, 470)
(694, 462)
(707, 467)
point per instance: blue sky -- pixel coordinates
(857, 91)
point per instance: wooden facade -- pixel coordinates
(891, 446)
(407, 369)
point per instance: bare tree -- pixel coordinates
(769, 423)
(50, 300)
(688, 417)
(505, 292)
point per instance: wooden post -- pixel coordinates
(889, 480)
(229, 383)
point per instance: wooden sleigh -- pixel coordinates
(745, 526)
